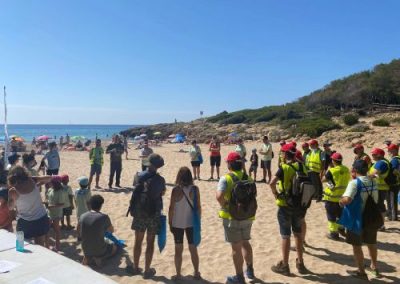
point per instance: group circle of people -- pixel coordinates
(354, 202)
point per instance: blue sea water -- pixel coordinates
(28, 131)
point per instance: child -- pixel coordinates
(82, 197)
(5, 214)
(254, 163)
(55, 205)
(68, 197)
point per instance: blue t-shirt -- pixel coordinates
(381, 166)
(395, 163)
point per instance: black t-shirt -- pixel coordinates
(119, 150)
(93, 227)
(254, 160)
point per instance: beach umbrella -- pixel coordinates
(76, 138)
(43, 138)
(157, 133)
(143, 135)
(171, 136)
(137, 138)
(19, 139)
(13, 136)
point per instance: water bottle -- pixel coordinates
(20, 241)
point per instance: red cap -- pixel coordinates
(337, 157)
(288, 148)
(64, 178)
(305, 145)
(393, 147)
(294, 143)
(283, 142)
(378, 152)
(313, 142)
(56, 179)
(358, 147)
(233, 157)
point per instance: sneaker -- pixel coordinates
(342, 232)
(235, 279)
(301, 268)
(250, 272)
(280, 268)
(358, 274)
(333, 236)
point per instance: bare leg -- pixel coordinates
(217, 172)
(269, 175)
(212, 172)
(194, 173)
(68, 220)
(41, 241)
(90, 180)
(198, 172)
(178, 258)
(137, 248)
(57, 233)
(97, 180)
(149, 250)
(264, 172)
(373, 253)
(195, 259)
(303, 230)
(237, 257)
(299, 246)
(359, 258)
(285, 250)
(247, 252)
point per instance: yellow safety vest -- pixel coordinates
(396, 171)
(93, 155)
(224, 212)
(313, 161)
(380, 180)
(288, 174)
(341, 177)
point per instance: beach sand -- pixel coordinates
(326, 259)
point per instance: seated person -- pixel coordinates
(79, 145)
(93, 226)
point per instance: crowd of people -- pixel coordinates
(350, 195)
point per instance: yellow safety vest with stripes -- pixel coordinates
(341, 177)
(380, 179)
(92, 155)
(313, 161)
(288, 174)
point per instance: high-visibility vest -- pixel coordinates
(380, 179)
(341, 177)
(313, 161)
(224, 212)
(289, 172)
(396, 171)
(92, 155)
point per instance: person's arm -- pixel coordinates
(109, 149)
(12, 198)
(273, 186)
(109, 226)
(41, 180)
(220, 198)
(171, 207)
(345, 200)
(198, 200)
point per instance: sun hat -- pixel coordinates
(233, 157)
(83, 181)
(337, 157)
(378, 152)
(393, 147)
(154, 160)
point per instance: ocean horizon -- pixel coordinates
(89, 131)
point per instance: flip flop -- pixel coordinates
(149, 273)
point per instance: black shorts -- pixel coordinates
(253, 168)
(67, 211)
(333, 211)
(95, 169)
(35, 228)
(367, 237)
(381, 200)
(195, 164)
(266, 165)
(52, 172)
(178, 235)
(215, 161)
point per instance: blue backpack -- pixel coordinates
(351, 218)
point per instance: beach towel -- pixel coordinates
(119, 243)
(162, 233)
(351, 218)
(196, 222)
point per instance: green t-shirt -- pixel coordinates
(55, 197)
(82, 197)
(66, 193)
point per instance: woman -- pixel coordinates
(180, 218)
(29, 162)
(196, 159)
(24, 196)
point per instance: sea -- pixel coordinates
(28, 131)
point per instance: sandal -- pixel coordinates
(149, 273)
(374, 272)
(357, 274)
(132, 270)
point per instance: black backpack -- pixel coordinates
(243, 202)
(391, 178)
(302, 190)
(372, 217)
(142, 204)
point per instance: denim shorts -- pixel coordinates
(290, 220)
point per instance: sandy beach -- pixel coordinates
(326, 259)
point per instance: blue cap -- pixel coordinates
(83, 181)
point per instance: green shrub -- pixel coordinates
(236, 119)
(396, 120)
(266, 117)
(381, 122)
(312, 127)
(360, 127)
(350, 119)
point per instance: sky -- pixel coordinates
(152, 61)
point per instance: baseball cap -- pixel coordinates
(288, 148)
(233, 157)
(64, 178)
(378, 152)
(305, 145)
(283, 142)
(358, 147)
(294, 143)
(393, 147)
(154, 160)
(337, 157)
(56, 179)
(313, 142)
(83, 181)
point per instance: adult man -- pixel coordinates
(361, 155)
(392, 200)
(61, 141)
(215, 156)
(326, 155)
(115, 149)
(366, 186)
(306, 150)
(93, 226)
(315, 167)
(290, 214)
(67, 139)
(266, 158)
(96, 162)
(146, 206)
(53, 160)
(237, 233)
(241, 150)
(144, 153)
(379, 171)
(337, 177)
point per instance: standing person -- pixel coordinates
(96, 157)
(82, 196)
(361, 187)
(144, 153)
(53, 160)
(237, 233)
(306, 150)
(61, 141)
(67, 139)
(290, 214)
(185, 198)
(28, 162)
(93, 226)
(54, 198)
(195, 156)
(392, 199)
(13, 160)
(24, 196)
(126, 146)
(215, 156)
(326, 155)
(337, 177)
(68, 200)
(361, 155)
(115, 149)
(241, 150)
(266, 159)
(146, 207)
(379, 171)
(253, 163)
(315, 167)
